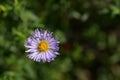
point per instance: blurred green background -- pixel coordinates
(89, 32)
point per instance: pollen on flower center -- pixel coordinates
(43, 46)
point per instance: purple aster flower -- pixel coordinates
(42, 46)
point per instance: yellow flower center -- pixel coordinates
(43, 46)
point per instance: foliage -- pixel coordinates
(89, 32)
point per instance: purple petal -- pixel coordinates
(51, 54)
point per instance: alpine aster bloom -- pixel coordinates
(42, 46)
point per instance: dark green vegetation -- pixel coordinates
(89, 32)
